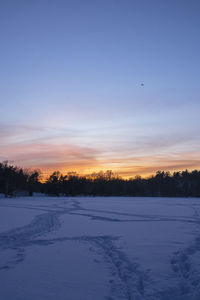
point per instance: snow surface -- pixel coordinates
(98, 248)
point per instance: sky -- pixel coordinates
(100, 84)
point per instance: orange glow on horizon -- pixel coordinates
(87, 160)
(125, 173)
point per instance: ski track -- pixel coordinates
(128, 281)
(188, 286)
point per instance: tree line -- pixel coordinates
(17, 181)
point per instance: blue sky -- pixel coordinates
(70, 85)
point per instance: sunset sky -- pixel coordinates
(92, 85)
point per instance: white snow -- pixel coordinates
(85, 248)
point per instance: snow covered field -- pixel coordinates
(99, 248)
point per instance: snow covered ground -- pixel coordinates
(99, 248)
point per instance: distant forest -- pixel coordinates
(15, 181)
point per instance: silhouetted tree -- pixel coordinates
(14, 179)
(163, 184)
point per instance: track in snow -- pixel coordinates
(128, 280)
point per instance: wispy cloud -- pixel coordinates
(70, 149)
